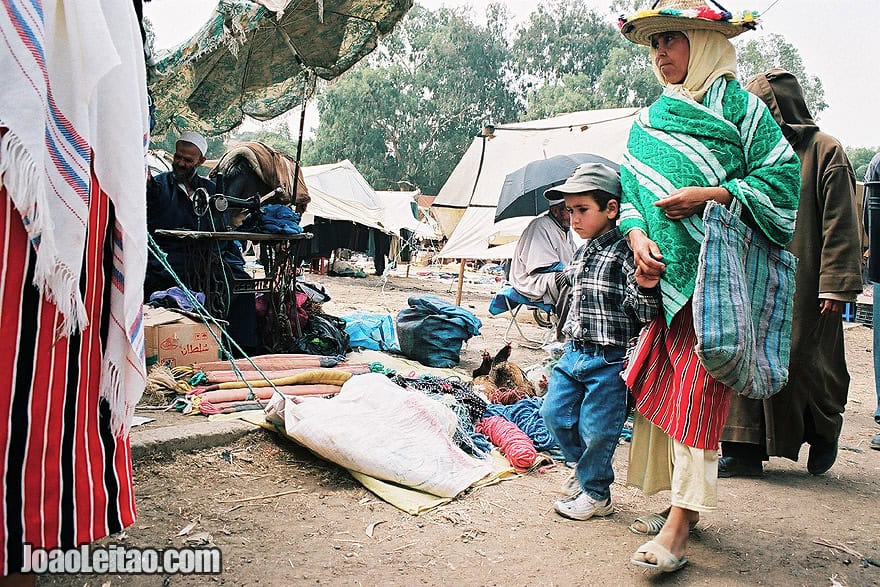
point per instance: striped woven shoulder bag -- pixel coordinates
(743, 302)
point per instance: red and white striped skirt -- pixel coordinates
(672, 389)
(66, 480)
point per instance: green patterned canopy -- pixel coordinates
(250, 60)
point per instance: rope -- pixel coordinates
(200, 309)
(512, 441)
(162, 381)
(473, 404)
(583, 126)
(772, 4)
(526, 414)
(507, 395)
(481, 442)
(464, 403)
(377, 367)
(199, 378)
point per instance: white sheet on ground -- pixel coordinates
(377, 428)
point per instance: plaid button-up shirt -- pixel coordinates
(608, 307)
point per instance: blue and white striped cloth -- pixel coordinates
(743, 304)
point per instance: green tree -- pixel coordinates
(628, 80)
(559, 57)
(757, 55)
(563, 38)
(347, 111)
(572, 93)
(277, 136)
(860, 157)
(625, 6)
(411, 110)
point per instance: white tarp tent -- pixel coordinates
(465, 206)
(340, 192)
(397, 213)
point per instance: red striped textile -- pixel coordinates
(66, 480)
(672, 389)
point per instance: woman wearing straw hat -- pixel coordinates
(704, 139)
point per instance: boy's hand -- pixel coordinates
(646, 281)
(646, 254)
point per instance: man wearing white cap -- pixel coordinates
(544, 250)
(189, 153)
(170, 206)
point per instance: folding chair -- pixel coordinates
(507, 299)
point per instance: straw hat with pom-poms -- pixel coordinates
(678, 15)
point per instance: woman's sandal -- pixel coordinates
(666, 561)
(653, 524)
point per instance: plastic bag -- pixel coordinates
(371, 331)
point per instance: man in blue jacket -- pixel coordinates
(170, 206)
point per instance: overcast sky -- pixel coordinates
(838, 41)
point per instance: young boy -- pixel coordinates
(586, 402)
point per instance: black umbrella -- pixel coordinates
(523, 191)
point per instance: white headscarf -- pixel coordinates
(712, 56)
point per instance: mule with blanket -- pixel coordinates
(255, 169)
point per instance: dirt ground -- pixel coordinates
(330, 530)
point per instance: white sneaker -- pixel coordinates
(583, 507)
(571, 487)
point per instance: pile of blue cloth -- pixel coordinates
(280, 219)
(174, 297)
(431, 330)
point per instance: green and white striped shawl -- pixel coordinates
(729, 140)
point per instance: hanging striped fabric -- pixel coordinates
(66, 477)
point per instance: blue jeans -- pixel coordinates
(875, 324)
(584, 409)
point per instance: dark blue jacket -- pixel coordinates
(169, 207)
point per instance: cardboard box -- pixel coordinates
(177, 339)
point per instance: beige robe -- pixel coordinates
(826, 242)
(542, 244)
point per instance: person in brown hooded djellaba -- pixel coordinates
(826, 243)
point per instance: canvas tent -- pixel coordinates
(340, 192)
(399, 211)
(465, 206)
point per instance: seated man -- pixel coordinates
(170, 206)
(544, 250)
